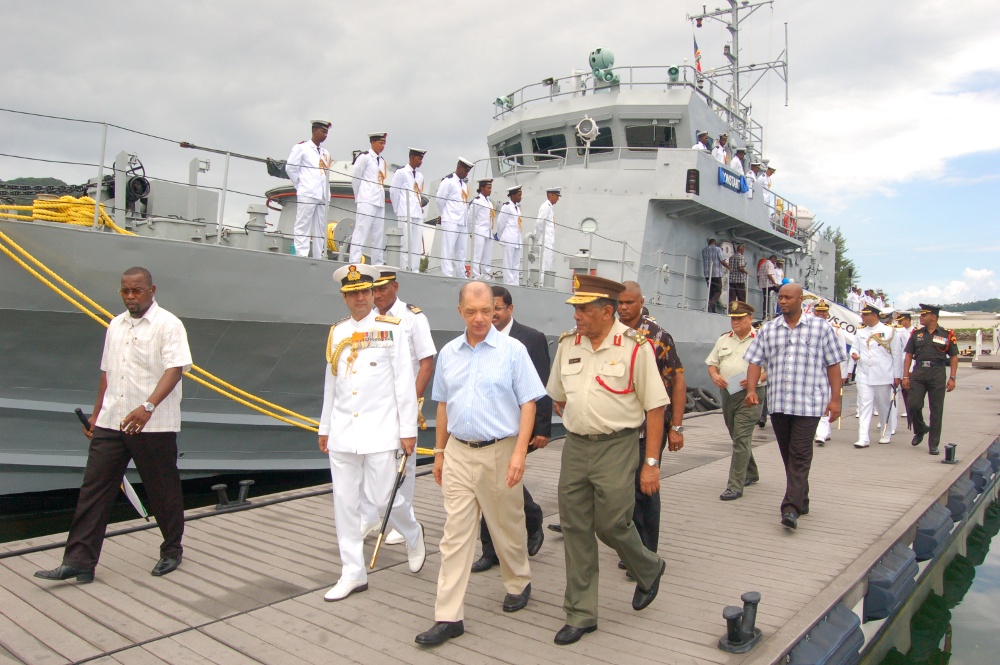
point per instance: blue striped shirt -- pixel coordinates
(484, 386)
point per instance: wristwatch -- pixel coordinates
(652, 461)
(678, 428)
(149, 406)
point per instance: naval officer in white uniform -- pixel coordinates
(737, 163)
(308, 167)
(406, 193)
(509, 234)
(368, 182)
(719, 151)
(369, 417)
(880, 366)
(545, 228)
(453, 202)
(822, 310)
(483, 216)
(702, 143)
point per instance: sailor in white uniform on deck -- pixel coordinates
(308, 167)
(737, 163)
(406, 193)
(752, 176)
(483, 215)
(545, 228)
(368, 182)
(880, 366)
(369, 415)
(509, 234)
(702, 143)
(453, 202)
(719, 151)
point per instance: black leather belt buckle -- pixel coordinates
(477, 444)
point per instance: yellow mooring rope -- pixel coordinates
(65, 210)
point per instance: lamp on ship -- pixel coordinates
(674, 73)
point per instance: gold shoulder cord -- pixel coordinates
(884, 343)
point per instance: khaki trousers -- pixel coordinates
(597, 497)
(740, 421)
(474, 481)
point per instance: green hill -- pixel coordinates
(991, 305)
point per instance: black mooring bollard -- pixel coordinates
(223, 498)
(950, 454)
(741, 633)
(244, 491)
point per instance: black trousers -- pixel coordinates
(795, 436)
(738, 291)
(646, 514)
(155, 455)
(714, 292)
(532, 520)
(931, 382)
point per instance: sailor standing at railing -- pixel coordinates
(483, 215)
(545, 229)
(406, 193)
(764, 180)
(368, 182)
(453, 201)
(719, 151)
(752, 177)
(702, 143)
(308, 167)
(509, 234)
(737, 163)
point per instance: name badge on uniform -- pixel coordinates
(573, 361)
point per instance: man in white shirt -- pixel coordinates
(545, 229)
(751, 177)
(453, 203)
(719, 151)
(854, 299)
(483, 215)
(308, 167)
(702, 143)
(136, 417)
(368, 183)
(903, 328)
(764, 181)
(369, 415)
(406, 194)
(509, 235)
(737, 163)
(880, 367)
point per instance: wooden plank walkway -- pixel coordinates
(251, 587)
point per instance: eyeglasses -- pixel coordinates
(132, 292)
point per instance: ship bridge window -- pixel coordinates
(650, 137)
(603, 143)
(548, 147)
(509, 153)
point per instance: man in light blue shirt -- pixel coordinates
(485, 387)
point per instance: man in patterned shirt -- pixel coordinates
(738, 275)
(803, 357)
(646, 514)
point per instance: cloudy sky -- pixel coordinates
(890, 131)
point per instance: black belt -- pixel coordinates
(932, 363)
(606, 437)
(478, 444)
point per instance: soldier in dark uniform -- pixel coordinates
(931, 349)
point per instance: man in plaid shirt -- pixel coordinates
(738, 275)
(803, 359)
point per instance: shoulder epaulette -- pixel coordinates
(566, 334)
(450, 175)
(728, 332)
(413, 308)
(385, 318)
(635, 335)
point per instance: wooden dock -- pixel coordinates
(250, 589)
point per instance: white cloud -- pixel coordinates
(975, 284)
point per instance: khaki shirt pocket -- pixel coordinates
(612, 369)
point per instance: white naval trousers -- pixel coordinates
(482, 253)
(310, 227)
(404, 497)
(548, 246)
(823, 429)
(413, 243)
(370, 474)
(369, 233)
(452, 250)
(869, 396)
(898, 409)
(511, 263)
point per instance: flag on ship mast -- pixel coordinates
(697, 54)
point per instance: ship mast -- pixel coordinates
(736, 108)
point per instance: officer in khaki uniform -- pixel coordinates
(728, 371)
(604, 383)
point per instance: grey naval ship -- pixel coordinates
(637, 204)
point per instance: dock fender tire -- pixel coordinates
(690, 405)
(708, 398)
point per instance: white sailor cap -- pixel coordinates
(743, 150)
(554, 190)
(771, 168)
(466, 163)
(377, 136)
(417, 151)
(322, 123)
(513, 190)
(700, 132)
(485, 181)
(755, 164)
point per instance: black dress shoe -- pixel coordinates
(730, 495)
(750, 481)
(643, 597)
(535, 541)
(484, 563)
(441, 631)
(569, 634)
(621, 565)
(513, 602)
(918, 437)
(64, 572)
(789, 520)
(165, 565)
(935, 451)
(555, 527)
